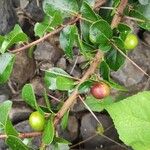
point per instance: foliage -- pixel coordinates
(91, 33)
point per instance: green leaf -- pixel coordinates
(5, 108)
(98, 105)
(88, 13)
(6, 65)
(66, 7)
(1, 40)
(15, 36)
(64, 120)
(64, 84)
(144, 2)
(67, 38)
(49, 131)
(144, 23)
(131, 117)
(29, 97)
(105, 70)
(16, 144)
(100, 32)
(123, 28)
(85, 86)
(5, 59)
(113, 57)
(56, 78)
(48, 24)
(9, 129)
(61, 140)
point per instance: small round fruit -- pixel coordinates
(100, 90)
(37, 121)
(131, 41)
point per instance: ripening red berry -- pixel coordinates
(100, 90)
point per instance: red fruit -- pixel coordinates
(100, 90)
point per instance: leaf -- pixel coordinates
(85, 86)
(48, 24)
(61, 140)
(64, 84)
(9, 129)
(6, 65)
(16, 144)
(5, 59)
(66, 7)
(144, 2)
(49, 131)
(29, 97)
(100, 32)
(15, 36)
(5, 108)
(145, 24)
(104, 70)
(113, 57)
(56, 78)
(98, 105)
(67, 38)
(123, 28)
(64, 120)
(131, 117)
(88, 13)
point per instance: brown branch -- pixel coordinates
(118, 15)
(46, 36)
(23, 135)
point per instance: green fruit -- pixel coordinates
(131, 41)
(37, 121)
(100, 90)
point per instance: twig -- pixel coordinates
(118, 15)
(23, 135)
(46, 36)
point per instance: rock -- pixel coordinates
(76, 71)
(129, 75)
(3, 146)
(23, 3)
(146, 37)
(47, 52)
(23, 127)
(71, 133)
(38, 86)
(88, 129)
(8, 17)
(62, 63)
(4, 93)
(34, 12)
(77, 59)
(20, 111)
(78, 107)
(16, 3)
(23, 70)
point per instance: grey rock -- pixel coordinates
(88, 129)
(19, 112)
(62, 63)
(38, 86)
(146, 37)
(71, 133)
(23, 127)
(77, 59)
(34, 12)
(8, 17)
(78, 107)
(23, 70)
(4, 93)
(74, 71)
(23, 3)
(129, 75)
(47, 52)
(3, 146)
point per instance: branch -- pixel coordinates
(47, 35)
(119, 11)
